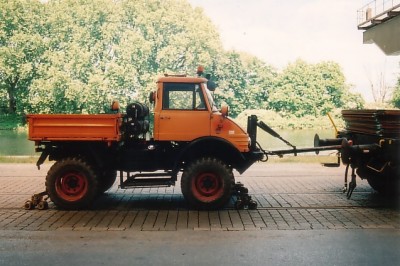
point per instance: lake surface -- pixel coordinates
(17, 144)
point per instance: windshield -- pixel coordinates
(210, 99)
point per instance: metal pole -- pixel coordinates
(303, 150)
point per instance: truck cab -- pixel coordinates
(185, 111)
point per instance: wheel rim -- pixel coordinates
(207, 187)
(72, 186)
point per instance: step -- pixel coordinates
(151, 182)
(148, 180)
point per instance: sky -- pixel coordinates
(281, 31)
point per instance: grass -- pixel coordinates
(18, 159)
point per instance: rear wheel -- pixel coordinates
(72, 184)
(386, 182)
(207, 183)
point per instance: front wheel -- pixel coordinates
(207, 183)
(72, 184)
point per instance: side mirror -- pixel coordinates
(152, 97)
(225, 111)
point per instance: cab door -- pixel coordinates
(184, 114)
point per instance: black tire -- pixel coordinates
(207, 184)
(386, 182)
(106, 180)
(385, 186)
(72, 184)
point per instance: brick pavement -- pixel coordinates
(290, 197)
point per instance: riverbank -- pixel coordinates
(18, 159)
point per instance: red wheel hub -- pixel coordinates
(72, 186)
(207, 187)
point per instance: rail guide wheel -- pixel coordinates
(38, 200)
(243, 199)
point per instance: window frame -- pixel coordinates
(193, 89)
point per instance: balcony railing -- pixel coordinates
(376, 12)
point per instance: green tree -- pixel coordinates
(21, 48)
(100, 50)
(244, 81)
(396, 95)
(69, 56)
(80, 73)
(311, 89)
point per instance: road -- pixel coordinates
(286, 247)
(303, 218)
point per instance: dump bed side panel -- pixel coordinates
(104, 127)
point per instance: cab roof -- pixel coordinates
(181, 79)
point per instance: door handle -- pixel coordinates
(165, 117)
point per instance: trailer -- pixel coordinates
(373, 148)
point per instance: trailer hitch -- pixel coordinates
(252, 125)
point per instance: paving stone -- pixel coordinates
(289, 197)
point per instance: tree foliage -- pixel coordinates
(76, 56)
(21, 48)
(311, 89)
(396, 95)
(244, 82)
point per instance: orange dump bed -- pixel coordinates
(104, 127)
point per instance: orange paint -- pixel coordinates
(74, 127)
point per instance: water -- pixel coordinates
(17, 144)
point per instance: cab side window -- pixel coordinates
(183, 96)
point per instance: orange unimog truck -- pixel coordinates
(190, 135)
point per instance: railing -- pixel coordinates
(377, 11)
